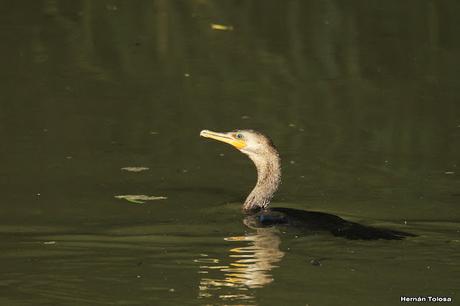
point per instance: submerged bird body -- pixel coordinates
(315, 222)
(262, 152)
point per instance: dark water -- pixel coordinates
(362, 99)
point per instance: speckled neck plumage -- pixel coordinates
(268, 167)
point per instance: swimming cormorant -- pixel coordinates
(261, 150)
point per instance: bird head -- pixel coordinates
(249, 142)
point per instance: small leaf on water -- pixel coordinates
(221, 27)
(134, 169)
(139, 198)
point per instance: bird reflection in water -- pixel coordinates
(249, 266)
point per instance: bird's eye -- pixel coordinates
(239, 135)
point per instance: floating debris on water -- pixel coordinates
(449, 172)
(139, 198)
(221, 27)
(49, 242)
(134, 169)
(154, 133)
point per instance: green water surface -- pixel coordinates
(362, 99)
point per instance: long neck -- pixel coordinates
(268, 179)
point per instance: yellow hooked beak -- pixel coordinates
(229, 138)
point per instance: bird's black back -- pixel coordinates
(313, 222)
